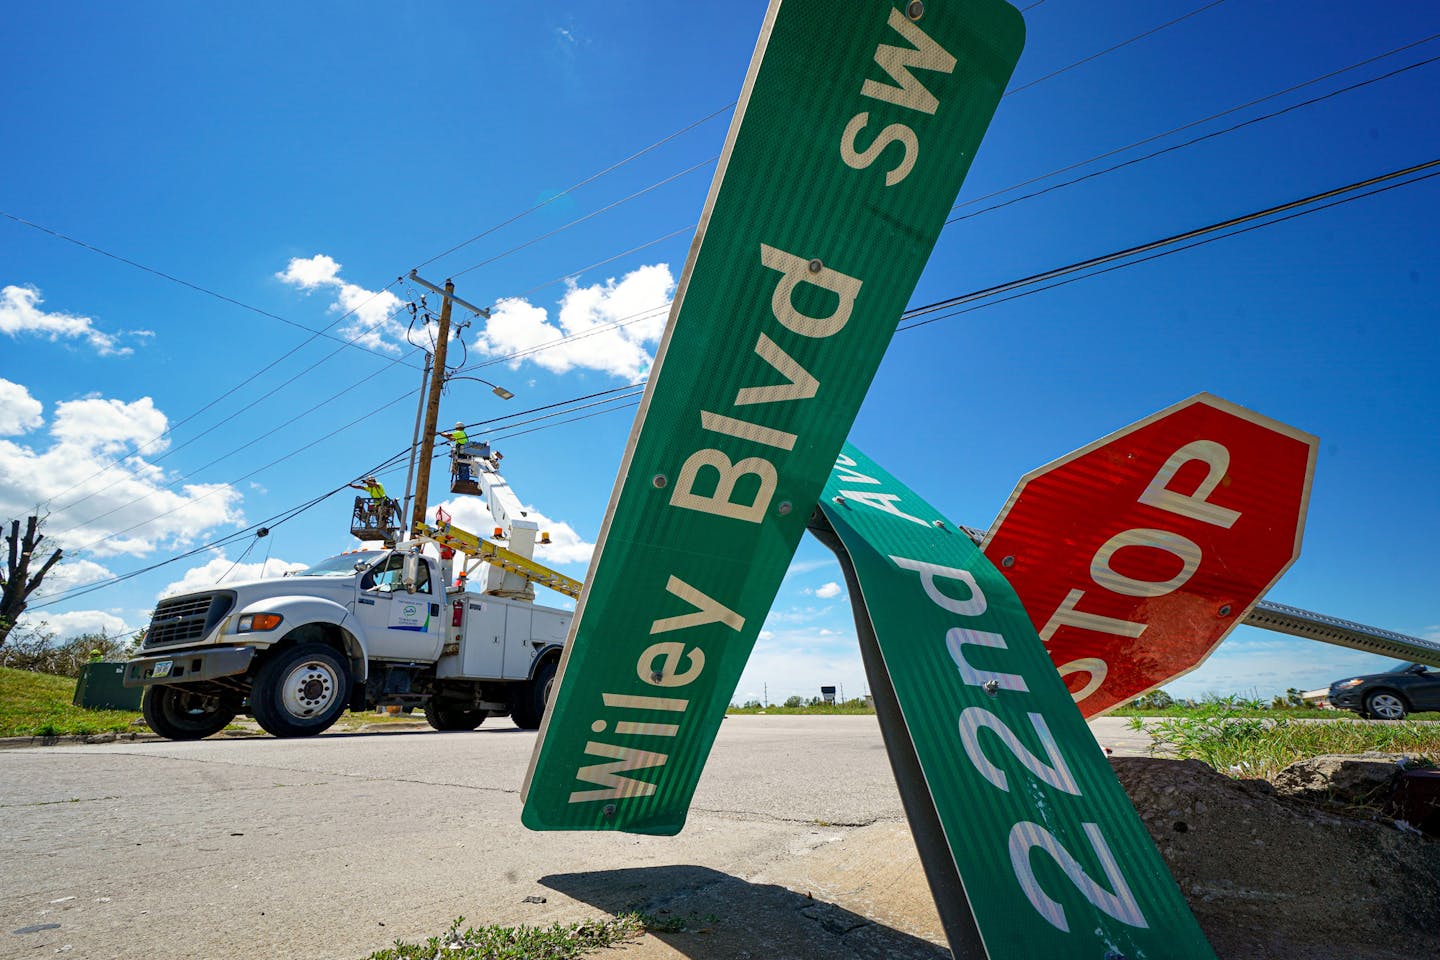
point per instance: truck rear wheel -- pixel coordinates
(301, 691)
(180, 714)
(449, 716)
(528, 707)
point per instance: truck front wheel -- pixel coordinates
(528, 708)
(180, 714)
(301, 691)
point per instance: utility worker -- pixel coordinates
(458, 436)
(376, 506)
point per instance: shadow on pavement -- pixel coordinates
(717, 916)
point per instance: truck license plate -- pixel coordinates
(162, 669)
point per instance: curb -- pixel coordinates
(115, 736)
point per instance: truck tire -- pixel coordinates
(301, 691)
(528, 707)
(180, 714)
(450, 716)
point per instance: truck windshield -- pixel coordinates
(342, 566)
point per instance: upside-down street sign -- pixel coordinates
(854, 130)
(1137, 554)
(1042, 840)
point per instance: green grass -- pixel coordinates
(557, 942)
(1236, 738)
(1242, 708)
(851, 708)
(38, 705)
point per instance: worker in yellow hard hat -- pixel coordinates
(376, 491)
(460, 466)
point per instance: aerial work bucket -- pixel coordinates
(374, 519)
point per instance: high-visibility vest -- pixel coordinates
(376, 491)
(459, 435)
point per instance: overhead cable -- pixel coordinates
(1052, 273)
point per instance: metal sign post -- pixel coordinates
(1030, 844)
(854, 130)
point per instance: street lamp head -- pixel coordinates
(503, 394)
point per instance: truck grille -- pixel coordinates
(190, 617)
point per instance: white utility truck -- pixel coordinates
(365, 629)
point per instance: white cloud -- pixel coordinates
(70, 572)
(612, 323)
(828, 591)
(20, 313)
(96, 484)
(19, 412)
(311, 273)
(209, 573)
(73, 623)
(95, 426)
(369, 314)
(566, 545)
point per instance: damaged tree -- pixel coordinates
(16, 583)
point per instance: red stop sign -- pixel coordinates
(1136, 555)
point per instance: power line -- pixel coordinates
(594, 213)
(197, 287)
(1382, 183)
(244, 477)
(225, 456)
(573, 187)
(392, 463)
(716, 113)
(1194, 123)
(1111, 49)
(1166, 241)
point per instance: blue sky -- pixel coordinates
(298, 157)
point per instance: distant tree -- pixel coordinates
(1291, 700)
(36, 649)
(16, 581)
(751, 705)
(1154, 700)
(795, 701)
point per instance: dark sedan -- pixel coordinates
(1409, 688)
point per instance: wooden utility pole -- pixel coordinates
(432, 409)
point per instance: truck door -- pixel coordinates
(400, 625)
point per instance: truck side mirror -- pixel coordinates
(410, 571)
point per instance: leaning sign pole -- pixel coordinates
(855, 128)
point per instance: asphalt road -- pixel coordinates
(335, 847)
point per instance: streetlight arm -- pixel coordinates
(499, 391)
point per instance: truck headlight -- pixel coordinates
(258, 621)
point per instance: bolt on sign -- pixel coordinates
(1137, 554)
(1051, 857)
(854, 130)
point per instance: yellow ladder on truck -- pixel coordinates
(497, 556)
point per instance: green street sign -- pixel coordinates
(1049, 853)
(854, 130)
